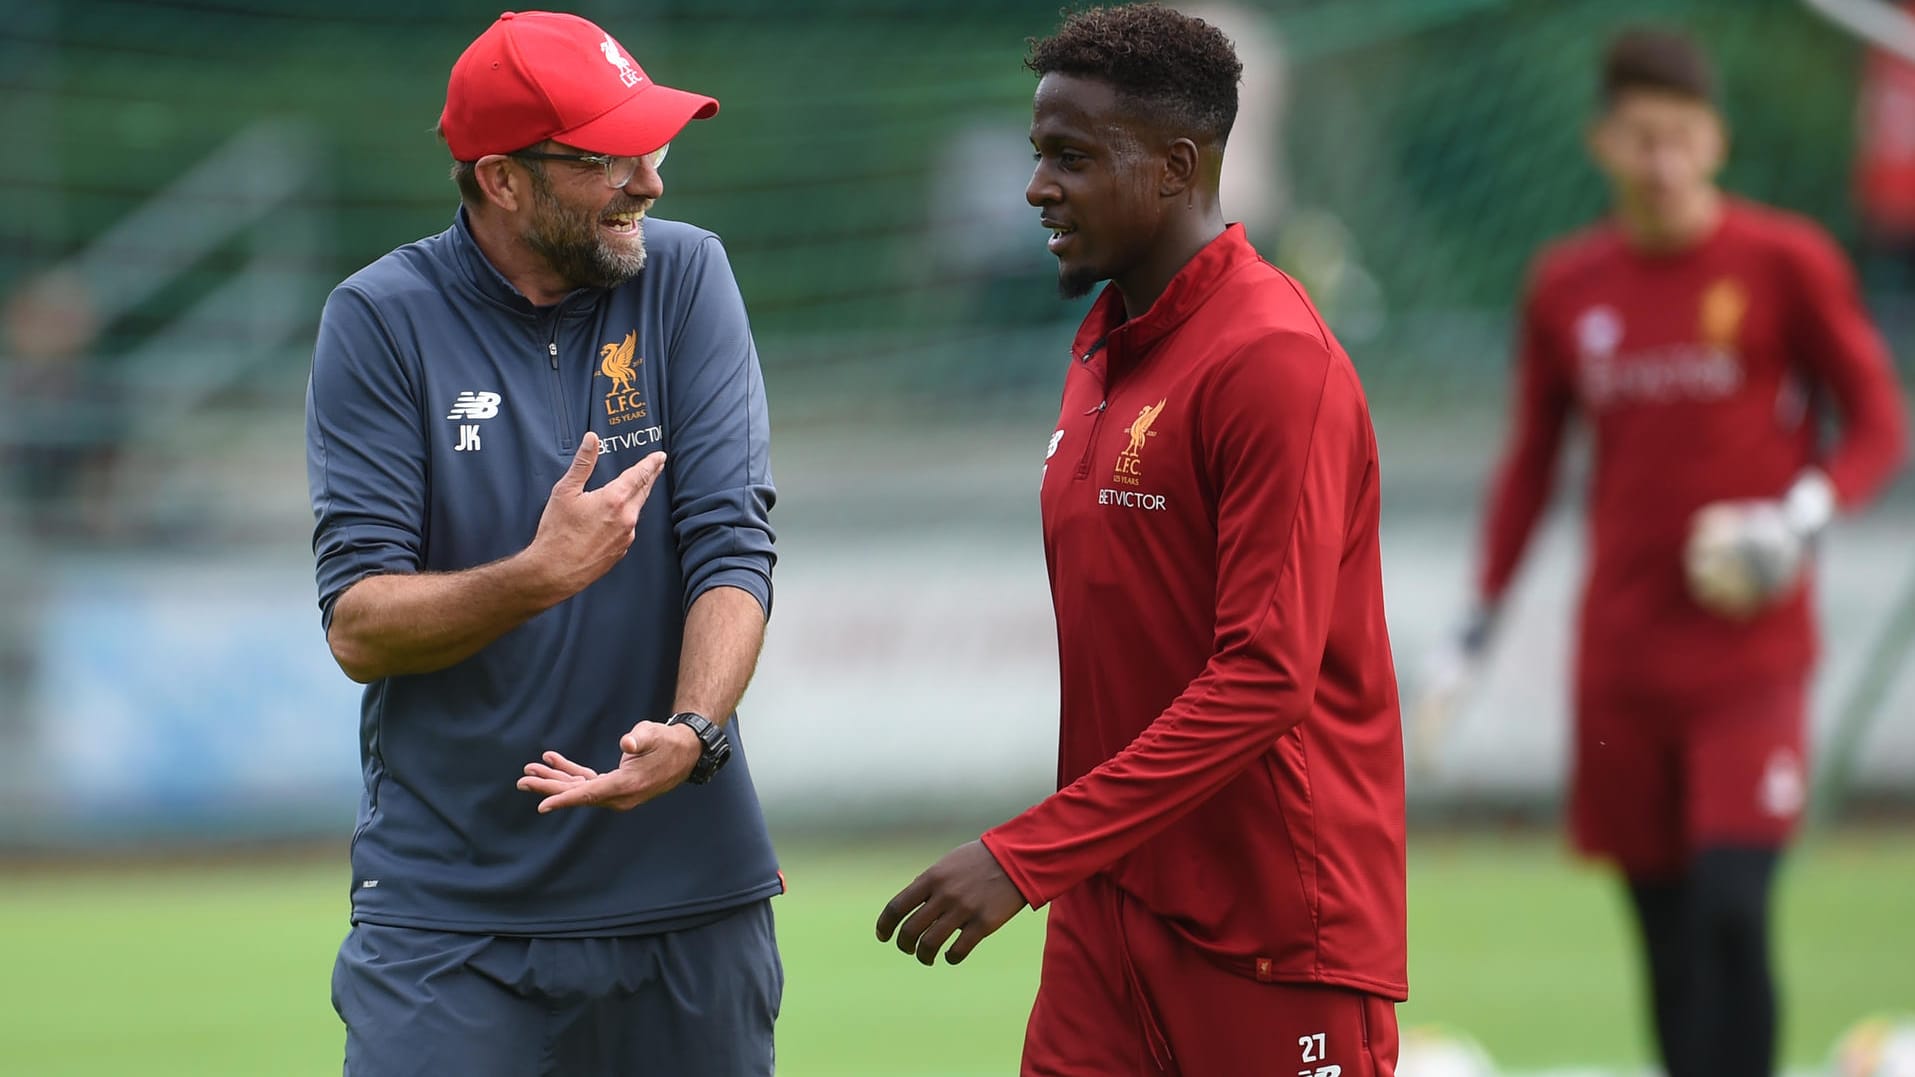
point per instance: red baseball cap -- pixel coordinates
(535, 75)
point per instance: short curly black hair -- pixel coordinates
(1659, 59)
(1180, 69)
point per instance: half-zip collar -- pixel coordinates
(1120, 342)
(485, 279)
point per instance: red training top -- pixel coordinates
(1699, 372)
(1230, 752)
(1885, 145)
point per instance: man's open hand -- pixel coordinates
(655, 758)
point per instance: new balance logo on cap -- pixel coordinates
(475, 405)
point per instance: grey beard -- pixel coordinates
(570, 244)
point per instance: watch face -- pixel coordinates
(716, 747)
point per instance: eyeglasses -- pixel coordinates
(618, 170)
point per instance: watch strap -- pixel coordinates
(714, 745)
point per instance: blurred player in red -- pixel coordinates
(1698, 336)
(1885, 167)
(1223, 858)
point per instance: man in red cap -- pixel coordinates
(515, 911)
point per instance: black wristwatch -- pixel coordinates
(717, 746)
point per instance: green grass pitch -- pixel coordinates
(223, 970)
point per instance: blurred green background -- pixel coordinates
(220, 968)
(188, 178)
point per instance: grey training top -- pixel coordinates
(442, 408)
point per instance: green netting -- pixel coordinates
(867, 170)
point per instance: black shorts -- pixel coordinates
(694, 1003)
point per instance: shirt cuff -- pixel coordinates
(749, 580)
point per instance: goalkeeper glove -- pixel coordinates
(1449, 676)
(1744, 556)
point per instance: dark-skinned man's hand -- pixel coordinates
(965, 891)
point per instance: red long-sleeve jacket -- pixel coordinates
(1230, 749)
(1701, 374)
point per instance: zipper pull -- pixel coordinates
(1090, 442)
(552, 348)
